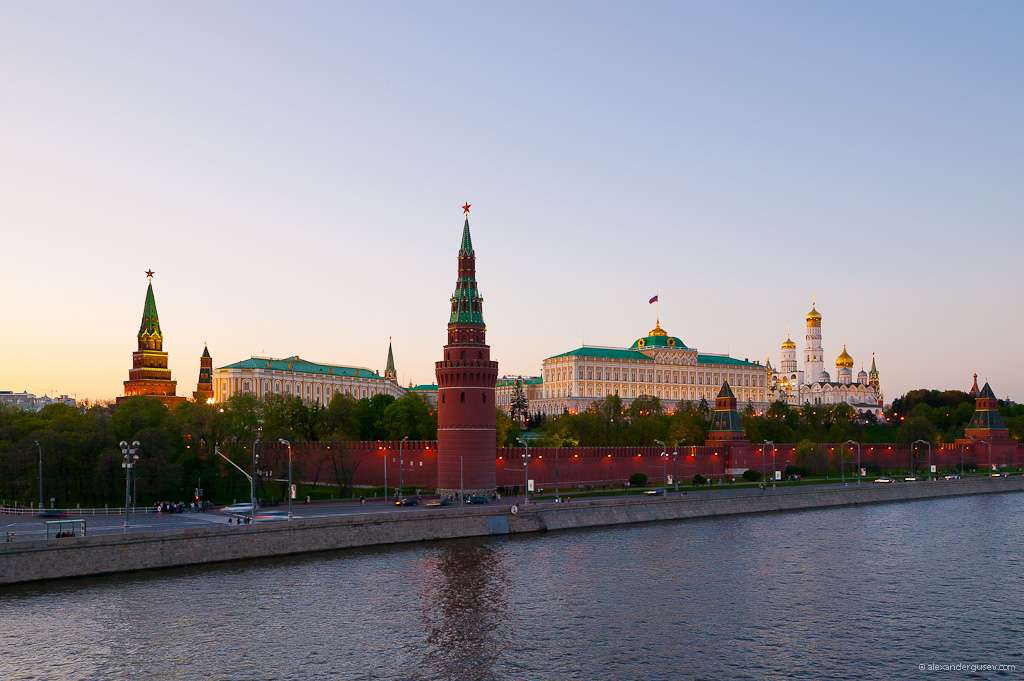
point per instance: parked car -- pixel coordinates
(478, 499)
(884, 480)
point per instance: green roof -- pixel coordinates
(636, 355)
(391, 360)
(605, 353)
(527, 380)
(301, 366)
(723, 359)
(467, 240)
(424, 387)
(660, 342)
(150, 319)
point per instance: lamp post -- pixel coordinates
(854, 442)
(289, 446)
(764, 444)
(401, 465)
(986, 442)
(131, 457)
(462, 484)
(664, 460)
(675, 465)
(40, 448)
(252, 478)
(915, 442)
(526, 471)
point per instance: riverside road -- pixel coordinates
(27, 528)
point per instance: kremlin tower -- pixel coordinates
(204, 388)
(149, 375)
(466, 379)
(389, 369)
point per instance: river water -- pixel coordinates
(866, 592)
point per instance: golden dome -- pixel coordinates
(844, 360)
(814, 314)
(657, 330)
(788, 344)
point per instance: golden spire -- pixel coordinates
(657, 330)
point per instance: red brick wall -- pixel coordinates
(597, 465)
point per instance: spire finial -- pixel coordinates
(465, 207)
(150, 273)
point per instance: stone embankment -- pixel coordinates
(31, 561)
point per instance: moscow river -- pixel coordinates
(864, 592)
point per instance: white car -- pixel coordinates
(952, 477)
(884, 480)
(237, 509)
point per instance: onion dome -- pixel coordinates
(658, 338)
(814, 317)
(844, 361)
(788, 344)
(862, 376)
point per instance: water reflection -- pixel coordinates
(464, 610)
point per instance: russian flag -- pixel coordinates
(653, 300)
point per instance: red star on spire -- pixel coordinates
(150, 273)
(465, 208)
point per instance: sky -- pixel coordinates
(294, 172)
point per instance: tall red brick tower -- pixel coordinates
(149, 375)
(466, 378)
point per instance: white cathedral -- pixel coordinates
(814, 386)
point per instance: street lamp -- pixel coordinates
(401, 465)
(40, 448)
(385, 450)
(675, 464)
(986, 442)
(252, 478)
(526, 471)
(131, 458)
(764, 444)
(854, 442)
(289, 446)
(914, 443)
(664, 460)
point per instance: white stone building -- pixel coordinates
(813, 385)
(656, 365)
(314, 382)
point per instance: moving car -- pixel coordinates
(478, 499)
(884, 480)
(438, 503)
(952, 477)
(910, 478)
(262, 516)
(407, 501)
(655, 492)
(235, 509)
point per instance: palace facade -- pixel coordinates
(657, 365)
(313, 382)
(814, 385)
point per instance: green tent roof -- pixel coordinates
(301, 366)
(150, 319)
(724, 359)
(424, 387)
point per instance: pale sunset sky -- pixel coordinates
(293, 173)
